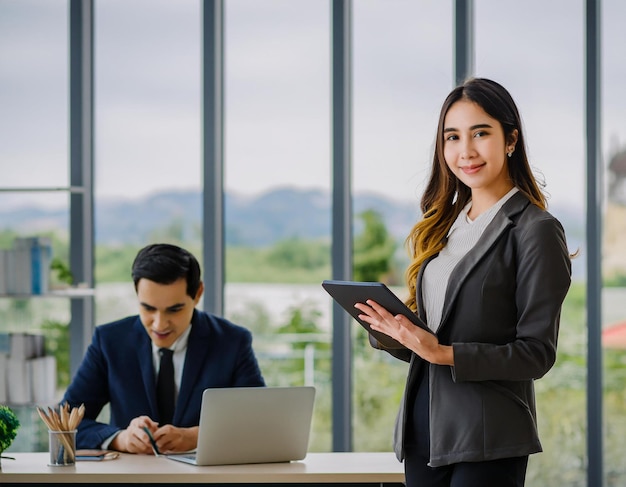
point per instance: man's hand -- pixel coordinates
(168, 438)
(134, 439)
(171, 439)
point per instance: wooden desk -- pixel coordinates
(317, 468)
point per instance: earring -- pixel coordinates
(509, 154)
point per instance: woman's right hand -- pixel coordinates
(401, 329)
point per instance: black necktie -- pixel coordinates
(166, 390)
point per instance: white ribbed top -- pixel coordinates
(463, 235)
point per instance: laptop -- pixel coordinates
(252, 425)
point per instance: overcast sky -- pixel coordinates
(277, 101)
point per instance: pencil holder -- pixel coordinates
(62, 448)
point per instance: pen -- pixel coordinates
(155, 448)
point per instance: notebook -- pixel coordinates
(252, 425)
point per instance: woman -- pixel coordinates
(490, 270)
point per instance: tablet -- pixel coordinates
(348, 293)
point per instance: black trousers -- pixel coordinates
(506, 472)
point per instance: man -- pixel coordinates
(122, 364)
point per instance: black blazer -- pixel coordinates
(118, 370)
(501, 315)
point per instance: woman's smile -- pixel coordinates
(472, 168)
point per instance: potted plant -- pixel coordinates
(9, 425)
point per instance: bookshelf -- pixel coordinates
(34, 336)
(80, 183)
(80, 192)
(25, 271)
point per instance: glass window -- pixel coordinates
(402, 74)
(33, 93)
(278, 176)
(148, 150)
(277, 180)
(33, 156)
(614, 239)
(544, 74)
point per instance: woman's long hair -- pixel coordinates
(445, 195)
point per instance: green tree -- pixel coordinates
(308, 360)
(58, 344)
(374, 249)
(113, 263)
(299, 253)
(301, 320)
(6, 238)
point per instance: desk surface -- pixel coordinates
(316, 467)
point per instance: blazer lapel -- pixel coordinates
(421, 310)
(197, 349)
(144, 352)
(501, 222)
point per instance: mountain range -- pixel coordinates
(257, 221)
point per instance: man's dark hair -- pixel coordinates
(165, 264)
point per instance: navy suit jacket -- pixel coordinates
(118, 369)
